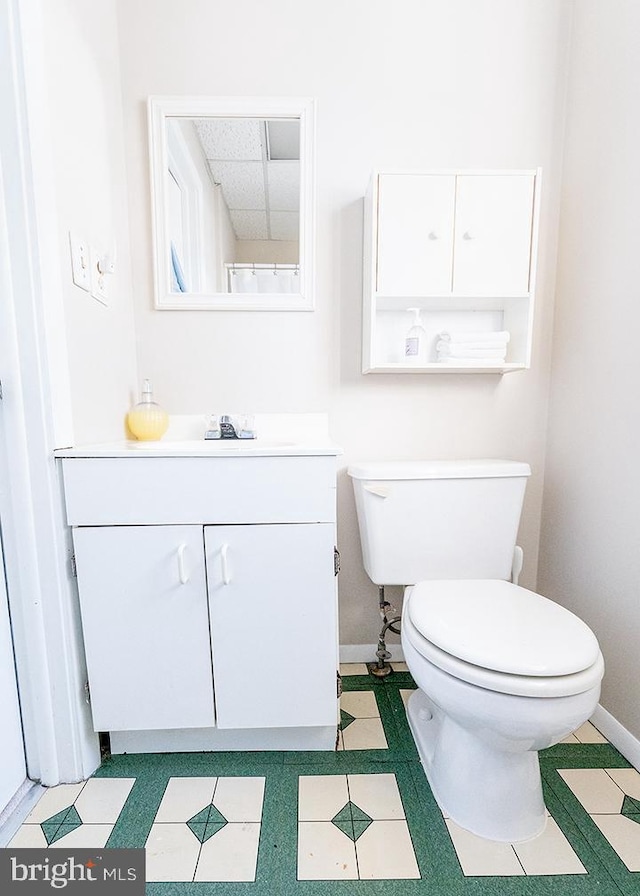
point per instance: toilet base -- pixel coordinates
(490, 792)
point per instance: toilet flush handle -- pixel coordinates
(516, 566)
(382, 491)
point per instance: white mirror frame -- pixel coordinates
(162, 107)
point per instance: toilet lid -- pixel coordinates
(502, 627)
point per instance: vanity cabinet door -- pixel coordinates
(145, 620)
(492, 248)
(415, 234)
(272, 600)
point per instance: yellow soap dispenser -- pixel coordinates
(146, 420)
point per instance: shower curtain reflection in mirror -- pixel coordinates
(263, 278)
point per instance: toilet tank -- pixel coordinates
(438, 519)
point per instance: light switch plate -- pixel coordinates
(98, 280)
(79, 262)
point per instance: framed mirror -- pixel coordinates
(232, 192)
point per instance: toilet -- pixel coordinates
(502, 672)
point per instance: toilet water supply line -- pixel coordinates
(381, 668)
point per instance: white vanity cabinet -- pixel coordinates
(208, 599)
(459, 245)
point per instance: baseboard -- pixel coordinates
(617, 734)
(366, 653)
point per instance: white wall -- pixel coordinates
(416, 83)
(90, 195)
(591, 525)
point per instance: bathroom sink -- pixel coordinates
(279, 435)
(260, 447)
(213, 446)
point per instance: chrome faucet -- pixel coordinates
(240, 426)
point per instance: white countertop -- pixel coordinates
(278, 435)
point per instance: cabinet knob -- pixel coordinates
(433, 235)
(467, 236)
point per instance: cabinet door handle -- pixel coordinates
(183, 573)
(224, 561)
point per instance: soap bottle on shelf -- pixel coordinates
(146, 420)
(415, 343)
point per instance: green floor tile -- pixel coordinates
(441, 874)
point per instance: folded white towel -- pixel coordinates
(502, 336)
(491, 344)
(445, 351)
(471, 362)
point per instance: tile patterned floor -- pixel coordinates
(360, 818)
(353, 827)
(206, 829)
(76, 815)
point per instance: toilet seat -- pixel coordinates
(502, 637)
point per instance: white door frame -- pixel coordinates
(34, 420)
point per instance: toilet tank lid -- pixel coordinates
(437, 469)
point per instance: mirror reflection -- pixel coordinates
(232, 194)
(247, 171)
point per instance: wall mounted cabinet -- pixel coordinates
(459, 245)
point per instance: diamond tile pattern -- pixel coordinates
(364, 814)
(631, 809)
(352, 821)
(207, 823)
(60, 824)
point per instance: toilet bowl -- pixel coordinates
(502, 672)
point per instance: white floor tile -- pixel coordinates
(29, 835)
(594, 788)
(353, 669)
(571, 739)
(360, 704)
(102, 799)
(627, 779)
(53, 801)
(172, 852)
(624, 836)
(549, 853)
(589, 734)
(325, 853)
(230, 855)
(321, 797)
(377, 795)
(479, 857)
(364, 734)
(239, 799)
(87, 836)
(405, 693)
(385, 852)
(399, 667)
(184, 798)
